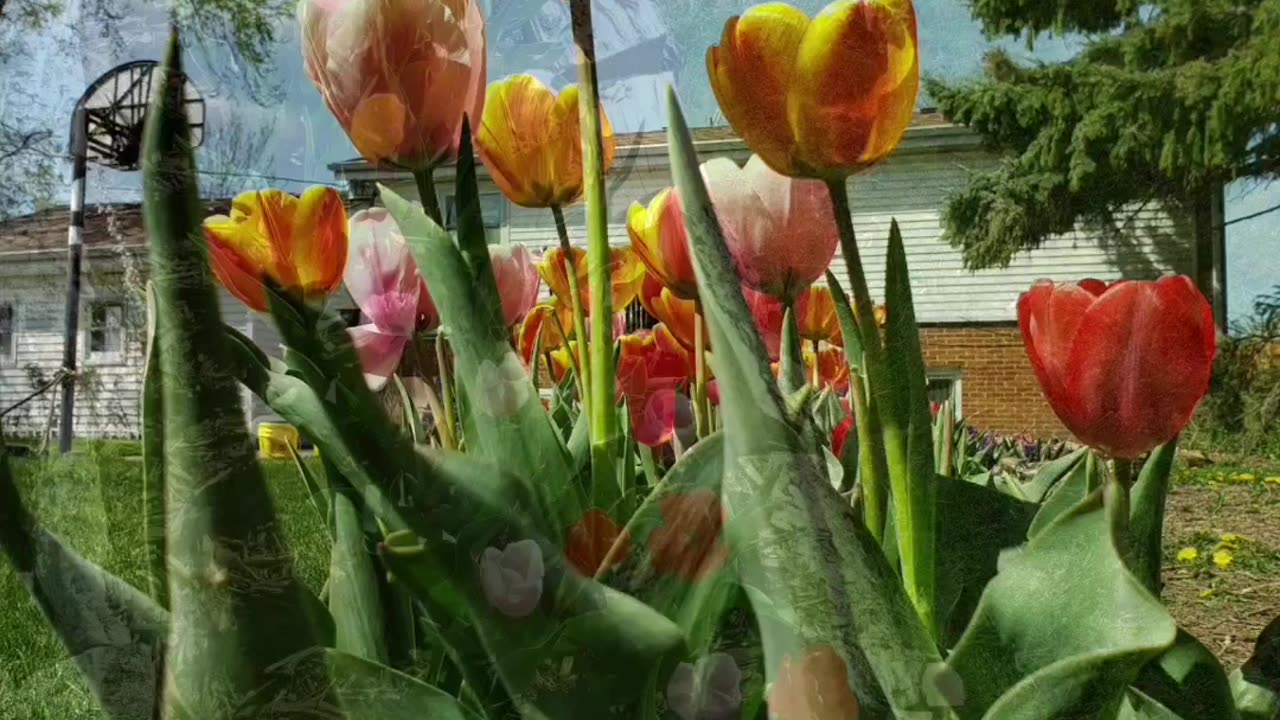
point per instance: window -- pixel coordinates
(945, 386)
(492, 211)
(106, 328)
(8, 333)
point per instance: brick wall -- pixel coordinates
(998, 388)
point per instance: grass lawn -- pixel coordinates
(94, 503)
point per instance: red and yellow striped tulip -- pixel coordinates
(298, 243)
(815, 311)
(822, 98)
(659, 240)
(399, 75)
(532, 144)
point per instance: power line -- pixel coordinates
(1251, 216)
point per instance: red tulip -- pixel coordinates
(840, 436)
(589, 540)
(689, 543)
(651, 367)
(1123, 366)
(768, 314)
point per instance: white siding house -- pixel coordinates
(968, 317)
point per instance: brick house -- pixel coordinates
(972, 345)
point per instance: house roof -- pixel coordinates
(720, 134)
(106, 227)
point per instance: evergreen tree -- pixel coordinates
(1168, 101)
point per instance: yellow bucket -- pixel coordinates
(274, 440)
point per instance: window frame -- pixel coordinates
(956, 378)
(501, 224)
(9, 358)
(105, 357)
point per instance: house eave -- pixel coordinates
(928, 139)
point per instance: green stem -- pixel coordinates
(603, 413)
(792, 354)
(912, 520)
(449, 436)
(426, 180)
(1092, 478)
(871, 459)
(701, 417)
(579, 314)
(815, 378)
(1123, 470)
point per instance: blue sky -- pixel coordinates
(656, 42)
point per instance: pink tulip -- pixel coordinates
(518, 281)
(384, 283)
(399, 75)
(780, 231)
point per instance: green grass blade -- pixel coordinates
(1146, 514)
(817, 576)
(114, 633)
(153, 519)
(238, 609)
(1064, 628)
(318, 494)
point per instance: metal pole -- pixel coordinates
(75, 251)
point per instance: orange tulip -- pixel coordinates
(832, 368)
(658, 238)
(625, 274)
(531, 142)
(677, 315)
(298, 243)
(589, 540)
(815, 311)
(822, 98)
(399, 75)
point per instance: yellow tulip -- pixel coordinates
(821, 98)
(531, 142)
(658, 238)
(298, 243)
(625, 275)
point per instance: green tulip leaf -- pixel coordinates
(804, 556)
(1063, 629)
(975, 525)
(1146, 514)
(153, 462)
(1188, 681)
(1052, 473)
(1065, 494)
(515, 430)
(237, 606)
(370, 691)
(1256, 684)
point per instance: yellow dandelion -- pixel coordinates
(1188, 554)
(1272, 480)
(1206, 594)
(1230, 539)
(1244, 477)
(1222, 558)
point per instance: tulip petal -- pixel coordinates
(751, 71)
(381, 275)
(379, 353)
(857, 76)
(653, 416)
(518, 143)
(1049, 315)
(517, 278)
(659, 240)
(319, 241)
(1140, 363)
(237, 259)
